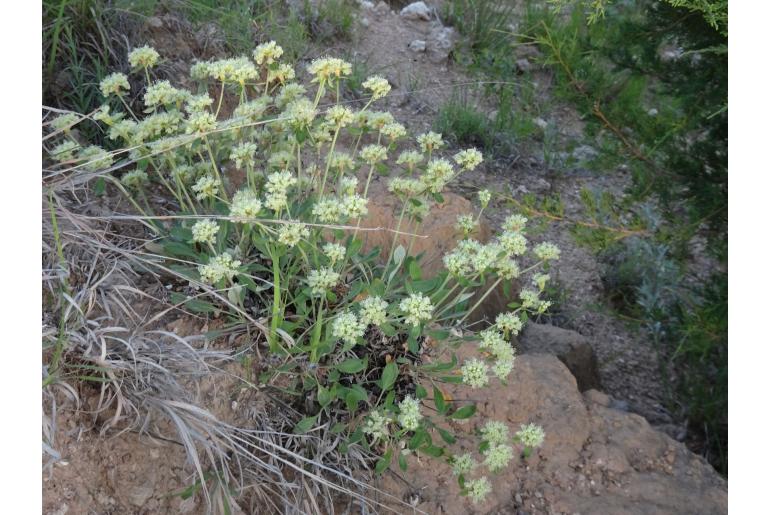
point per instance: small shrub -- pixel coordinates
(345, 330)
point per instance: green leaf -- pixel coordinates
(402, 461)
(324, 396)
(438, 399)
(176, 248)
(464, 412)
(388, 330)
(432, 450)
(352, 365)
(414, 270)
(389, 375)
(416, 440)
(196, 305)
(420, 392)
(446, 436)
(304, 425)
(439, 334)
(384, 462)
(399, 254)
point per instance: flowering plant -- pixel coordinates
(280, 249)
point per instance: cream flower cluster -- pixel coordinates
(245, 206)
(377, 85)
(143, 57)
(348, 328)
(278, 184)
(531, 435)
(417, 308)
(322, 280)
(373, 311)
(478, 489)
(206, 187)
(376, 426)
(430, 141)
(463, 464)
(475, 373)
(114, 84)
(293, 233)
(329, 68)
(244, 154)
(205, 231)
(267, 53)
(334, 251)
(409, 415)
(219, 267)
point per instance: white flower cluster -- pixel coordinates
(114, 84)
(417, 308)
(245, 206)
(206, 187)
(334, 251)
(219, 267)
(409, 415)
(278, 184)
(463, 464)
(326, 69)
(376, 426)
(205, 231)
(377, 85)
(474, 373)
(293, 233)
(244, 154)
(531, 435)
(373, 311)
(478, 489)
(267, 53)
(348, 328)
(322, 280)
(143, 57)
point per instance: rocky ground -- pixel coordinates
(601, 453)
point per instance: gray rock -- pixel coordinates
(418, 45)
(382, 8)
(416, 11)
(584, 153)
(570, 347)
(441, 42)
(523, 65)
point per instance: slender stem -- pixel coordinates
(478, 302)
(216, 170)
(221, 96)
(276, 315)
(329, 161)
(395, 239)
(125, 104)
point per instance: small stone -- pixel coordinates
(382, 8)
(518, 499)
(418, 45)
(155, 22)
(365, 4)
(523, 65)
(141, 494)
(365, 22)
(416, 11)
(540, 123)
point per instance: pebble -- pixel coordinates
(416, 11)
(418, 45)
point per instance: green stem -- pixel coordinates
(478, 302)
(315, 337)
(395, 240)
(276, 315)
(221, 96)
(329, 161)
(216, 170)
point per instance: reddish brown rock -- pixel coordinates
(595, 460)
